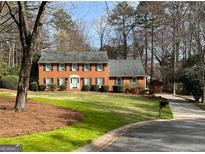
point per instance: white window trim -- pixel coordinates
(72, 67)
(60, 67)
(85, 67)
(48, 66)
(99, 70)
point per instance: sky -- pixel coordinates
(87, 12)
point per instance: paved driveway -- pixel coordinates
(186, 133)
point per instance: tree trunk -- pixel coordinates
(23, 85)
(152, 54)
(125, 45)
(146, 55)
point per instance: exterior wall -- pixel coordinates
(127, 80)
(55, 74)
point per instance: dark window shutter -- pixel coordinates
(96, 67)
(65, 67)
(103, 67)
(78, 65)
(83, 65)
(51, 80)
(58, 82)
(96, 80)
(70, 65)
(51, 67)
(83, 81)
(44, 67)
(58, 67)
(103, 80)
(44, 80)
(90, 67)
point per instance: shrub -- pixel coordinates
(86, 88)
(10, 82)
(94, 88)
(62, 87)
(118, 89)
(104, 88)
(52, 86)
(41, 87)
(34, 86)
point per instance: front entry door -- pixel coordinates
(74, 82)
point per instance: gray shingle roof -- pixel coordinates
(123, 68)
(74, 57)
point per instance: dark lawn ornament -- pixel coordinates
(163, 102)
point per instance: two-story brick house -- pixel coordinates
(76, 69)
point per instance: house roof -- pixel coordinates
(73, 57)
(126, 68)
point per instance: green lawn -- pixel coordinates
(103, 112)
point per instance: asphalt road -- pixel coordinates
(167, 136)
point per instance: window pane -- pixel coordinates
(62, 81)
(86, 67)
(61, 67)
(119, 81)
(87, 81)
(74, 67)
(48, 67)
(99, 67)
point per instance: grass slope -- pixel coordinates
(103, 112)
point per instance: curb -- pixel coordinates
(108, 138)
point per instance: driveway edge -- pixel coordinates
(108, 138)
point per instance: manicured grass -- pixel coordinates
(102, 113)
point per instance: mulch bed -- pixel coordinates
(39, 117)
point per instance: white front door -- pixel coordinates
(74, 82)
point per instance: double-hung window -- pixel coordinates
(48, 67)
(74, 67)
(119, 81)
(61, 67)
(100, 81)
(48, 81)
(86, 67)
(62, 81)
(99, 67)
(87, 81)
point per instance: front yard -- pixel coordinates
(102, 113)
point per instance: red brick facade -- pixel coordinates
(93, 74)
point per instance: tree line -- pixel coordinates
(168, 37)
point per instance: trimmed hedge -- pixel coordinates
(104, 88)
(62, 87)
(118, 89)
(86, 88)
(10, 82)
(41, 87)
(34, 86)
(94, 88)
(52, 86)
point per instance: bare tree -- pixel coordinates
(28, 36)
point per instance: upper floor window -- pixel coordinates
(86, 67)
(61, 67)
(99, 67)
(48, 67)
(74, 67)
